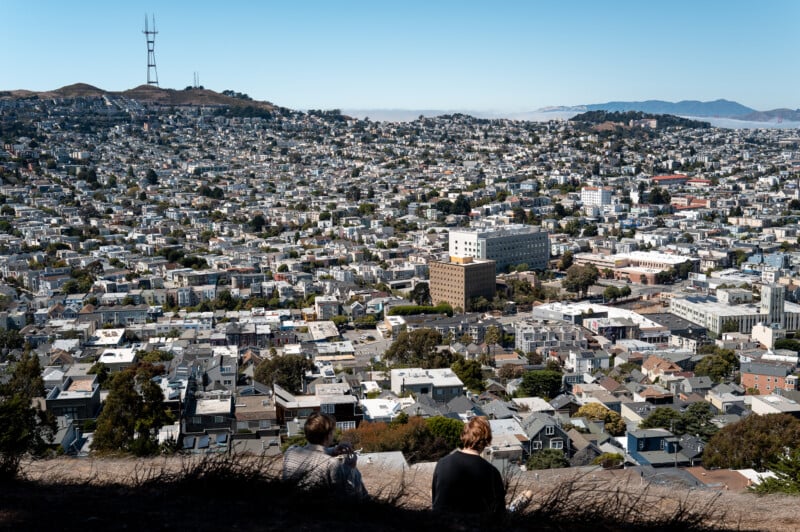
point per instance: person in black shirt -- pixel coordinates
(463, 482)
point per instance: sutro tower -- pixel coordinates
(150, 35)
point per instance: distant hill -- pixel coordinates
(146, 93)
(724, 108)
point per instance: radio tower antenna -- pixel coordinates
(150, 36)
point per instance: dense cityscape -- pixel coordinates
(617, 290)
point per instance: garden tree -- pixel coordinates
(258, 222)
(696, 420)
(754, 442)
(510, 371)
(614, 424)
(469, 371)
(787, 475)
(787, 343)
(340, 321)
(102, 371)
(152, 177)
(540, 383)
(729, 326)
(566, 261)
(493, 335)
(580, 278)
(286, 371)
(717, 364)
(446, 428)
(465, 339)
(664, 418)
(547, 459)
(132, 414)
(26, 429)
(611, 293)
(608, 460)
(421, 294)
(418, 349)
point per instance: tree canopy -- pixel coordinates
(695, 420)
(418, 349)
(133, 412)
(580, 278)
(547, 459)
(754, 442)
(25, 428)
(717, 365)
(540, 383)
(469, 371)
(613, 422)
(286, 371)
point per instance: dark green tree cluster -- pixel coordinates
(540, 383)
(286, 371)
(26, 429)
(580, 278)
(547, 459)
(612, 422)
(418, 349)
(754, 442)
(787, 475)
(469, 371)
(612, 292)
(695, 420)
(133, 413)
(718, 364)
(413, 310)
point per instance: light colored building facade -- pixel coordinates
(507, 245)
(596, 196)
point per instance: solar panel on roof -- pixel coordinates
(188, 442)
(222, 438)
(202, 442)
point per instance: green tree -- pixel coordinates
(580, 278)
(566, 261)
(133, 412)
(754, 442)
(608, 460)
(662, 417)
(469, 371)
(718, 365)
(611, 293)
(493, 335)
(540, 383)
(26, 429)
(286, 371)
(787, 475)
(418, 348)
(447, 428)
(547, 459)
(613, 422)
(421, 294)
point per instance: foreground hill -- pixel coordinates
(244, 494)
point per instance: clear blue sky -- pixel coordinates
(417, 54)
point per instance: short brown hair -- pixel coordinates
(477, 434)
(318, 426)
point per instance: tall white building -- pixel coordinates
(507, 245)
(596, 196)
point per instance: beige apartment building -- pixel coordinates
(461, 279)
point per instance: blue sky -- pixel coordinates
(410, 54)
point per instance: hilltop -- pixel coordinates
(191, 493)
(145, 93)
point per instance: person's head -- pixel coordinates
(319, 427)
(477, 434)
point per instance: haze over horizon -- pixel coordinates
(513, 57)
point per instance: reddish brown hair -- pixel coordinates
(477, 434)
(318, 426)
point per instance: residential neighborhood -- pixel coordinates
(613, 293)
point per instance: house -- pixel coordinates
(509, 440)
(545, 432)
(77, 398)
(768, 377)
(440, 384)
(208, 422)
(656, 367)
(656, 447)
(257, 421)
(343, 407)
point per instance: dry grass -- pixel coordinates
(191, 493)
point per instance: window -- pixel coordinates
(640, 445)
(327, 408)
(346, 425)
(663, 444)
(549, 430)
(556, 444)
(536, 445)
(219, 419)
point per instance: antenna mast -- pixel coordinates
(150, 36)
